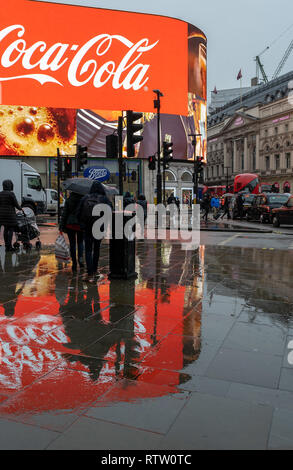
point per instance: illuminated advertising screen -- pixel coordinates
(62, 62)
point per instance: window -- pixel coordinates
(266, 133)
(169, 176)
(186, 177)
(242, 161)
(286, 127)
(254, 158)
(34, 182)
(267, 161)
(288, 160)
(277, 162)
(54, 195)
(276, 130)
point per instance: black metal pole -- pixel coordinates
(195, 171)
(58, 182)
(120, 154)
(164, 182)
(159, 176)
(157, 105)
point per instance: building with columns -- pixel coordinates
(253, 134)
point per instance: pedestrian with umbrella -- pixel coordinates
(96, 196)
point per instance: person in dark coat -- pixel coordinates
(70, 224)
(92, 245)
(8, 204)
(206, 203)
(239, 205)
(226, 208)
(127, 199)
(171, 199)
(143, 203)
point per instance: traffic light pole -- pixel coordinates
(120, 154)
(58, 182)
(195, 170)
(164, 182)
(157, 105)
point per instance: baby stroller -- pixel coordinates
(26, 229)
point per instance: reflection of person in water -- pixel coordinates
(13, 277)
(85, 326)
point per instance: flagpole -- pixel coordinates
(241, 91)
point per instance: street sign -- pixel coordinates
(97, 173)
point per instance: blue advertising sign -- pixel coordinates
(98, 173)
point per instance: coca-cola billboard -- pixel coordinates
(75, 57)
(56, 59)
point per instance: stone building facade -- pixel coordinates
(253, 135)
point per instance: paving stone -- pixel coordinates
(93, 434)
(251, 368)
(211, 422)
(19, 436)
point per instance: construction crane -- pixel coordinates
(283, 60)
(259, 67)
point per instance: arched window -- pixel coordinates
(187, 177)
(169, 176)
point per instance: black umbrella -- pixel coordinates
(83, 186)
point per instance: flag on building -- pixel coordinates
(215, 90)
(239, 75)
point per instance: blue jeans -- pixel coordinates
(73, 237)
(92, 252)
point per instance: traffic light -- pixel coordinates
(124, 170)
(81, 157)
(132, 128)
(167, 153)
(199, 164)
(67, 167)
(133, 175)
(152, 162)
(57, 165)
(112, 146)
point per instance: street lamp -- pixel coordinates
(157, 106)
(195, 174)
(227, 178)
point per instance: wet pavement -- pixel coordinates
(193, 354)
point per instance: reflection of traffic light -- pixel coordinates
(152, 162)
(67, 167)
(112, 146)
(133, 175)
(81, 157)
(167, 153)
(132, 128)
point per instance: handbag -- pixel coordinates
(62, 252)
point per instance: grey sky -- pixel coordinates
(237, 31)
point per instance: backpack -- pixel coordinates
(87, 209)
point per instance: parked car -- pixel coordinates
(263, 204)
(247, 200)
(283, 214)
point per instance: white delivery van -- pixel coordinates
(52, 201)
(27, 184)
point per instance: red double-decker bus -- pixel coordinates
(247, 182)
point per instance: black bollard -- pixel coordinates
(122, 250)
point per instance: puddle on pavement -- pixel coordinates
(65, 344)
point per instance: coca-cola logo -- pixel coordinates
(90, 63)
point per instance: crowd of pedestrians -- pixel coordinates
(77, 222)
